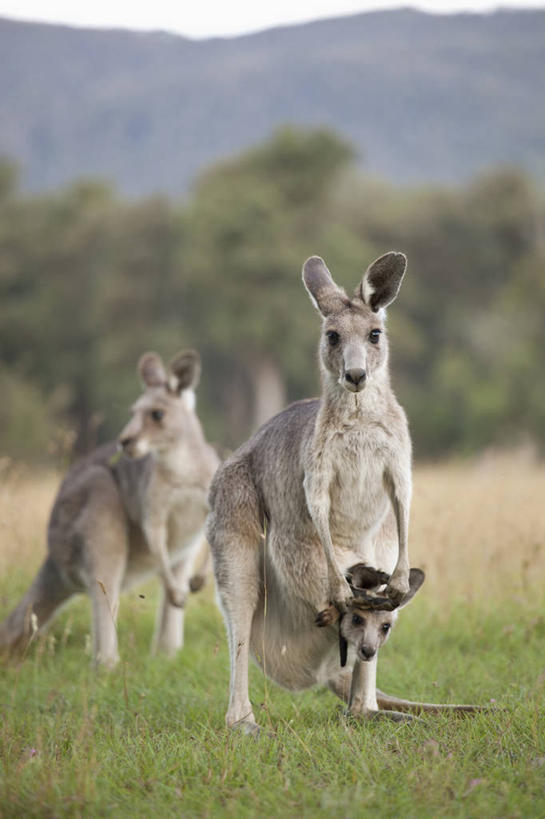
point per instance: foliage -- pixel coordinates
(88, 281)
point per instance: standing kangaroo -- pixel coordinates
(329, 482)
(119, 518)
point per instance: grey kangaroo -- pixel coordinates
(121, 516)
(322, 486)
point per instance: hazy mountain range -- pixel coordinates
(422, 97)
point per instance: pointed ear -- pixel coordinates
(362, 576)
(151, 370)
(185, 371)
(416, 578)
(326, 296)
(382, 280)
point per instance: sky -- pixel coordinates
(210, 18)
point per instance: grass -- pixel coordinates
(149, 738)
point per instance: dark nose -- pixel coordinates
(125, 442)
(367, 652)
(355, 376)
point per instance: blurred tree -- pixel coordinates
(88, 282)
(252, 221)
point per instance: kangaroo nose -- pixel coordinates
(367, 652)
(355, 376)
(125, 442)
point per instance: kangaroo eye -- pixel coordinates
(157, 415)
(332, 337)
(386, 628)
(357, 620)
(374, 336)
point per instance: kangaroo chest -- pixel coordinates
(357, 493)
(186, 517)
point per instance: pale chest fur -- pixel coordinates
(354, 461)
(356, 465)
(186, 516)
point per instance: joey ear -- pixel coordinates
(382, 280)
(326, 296)
(185, 369)
(416, 578)
(362, 576)
(151, 370)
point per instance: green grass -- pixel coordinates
(149, 739)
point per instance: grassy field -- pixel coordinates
(149, 738)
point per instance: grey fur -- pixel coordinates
(119, 518)
(329, 482)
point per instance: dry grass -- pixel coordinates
(478, 528)
(149, 738)
(25, 503)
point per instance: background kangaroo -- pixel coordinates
(329, 480)
(118, 517)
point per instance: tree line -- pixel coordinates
(89, 281)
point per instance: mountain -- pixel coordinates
(422, 97)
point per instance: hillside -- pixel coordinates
(422, 97)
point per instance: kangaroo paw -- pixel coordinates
(196, 582)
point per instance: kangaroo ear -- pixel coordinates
(382, 280)
(365, 577)
(416, 578)
(326, 296)
(185, 369)
(151, 370)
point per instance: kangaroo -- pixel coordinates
(329, 482)
(362, 630)
(123, 515)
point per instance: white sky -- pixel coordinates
(206, 18)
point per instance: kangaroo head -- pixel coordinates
(367, 626)
(370, 618)
(165, 413)
(353, 347)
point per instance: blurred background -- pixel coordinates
(160, 191)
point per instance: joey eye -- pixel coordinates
(332, 337)
(386, 628)
(157, 415)
(374, 336)
(357, 620)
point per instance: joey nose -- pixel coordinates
(367, 652)
(355, 376)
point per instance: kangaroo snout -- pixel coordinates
(356, 378)
(366, 652)
(125, 442)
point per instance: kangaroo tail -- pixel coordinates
(387, 703)
(48, 590)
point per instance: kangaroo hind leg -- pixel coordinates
(103, 530)
(234, 533)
